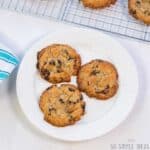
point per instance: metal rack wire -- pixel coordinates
(114, 19)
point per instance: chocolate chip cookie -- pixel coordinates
(98, 79)
(140, 9)
(62, 105)
(98, 3)
(58, 62)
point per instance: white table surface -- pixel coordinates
(16, 132)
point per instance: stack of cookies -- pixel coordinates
(63, 104)
(140, 9)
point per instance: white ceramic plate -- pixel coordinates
(101, 116)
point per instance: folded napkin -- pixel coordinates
(8, 61)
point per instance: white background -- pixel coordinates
(16, 132)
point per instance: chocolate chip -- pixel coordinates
(58, 71)
(71, 118)
(61, 101)
(133, 12)
(78, 100)
(51, 109)
(147, 12)
(45, 73)
(44, 63)
(94, 72)
(70, 58)
(83, 107)
(59, 62)
(48, 88)
(71, 89)
(81, 97)
(46, 77)
(52, 62)
(66, 52)
(99, 60)
(138, 3)
(70, 102)
(105, 91)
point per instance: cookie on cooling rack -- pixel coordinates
(98, 79)
(140, 9)
(58, 62)
(98, 3)
(62, 105)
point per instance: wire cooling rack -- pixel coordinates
(113, 19)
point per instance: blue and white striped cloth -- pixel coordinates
(8, 62)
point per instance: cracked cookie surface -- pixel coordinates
(140, 9)
(58, 62)
(98, 3)
(98, 79)
(62, 105)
